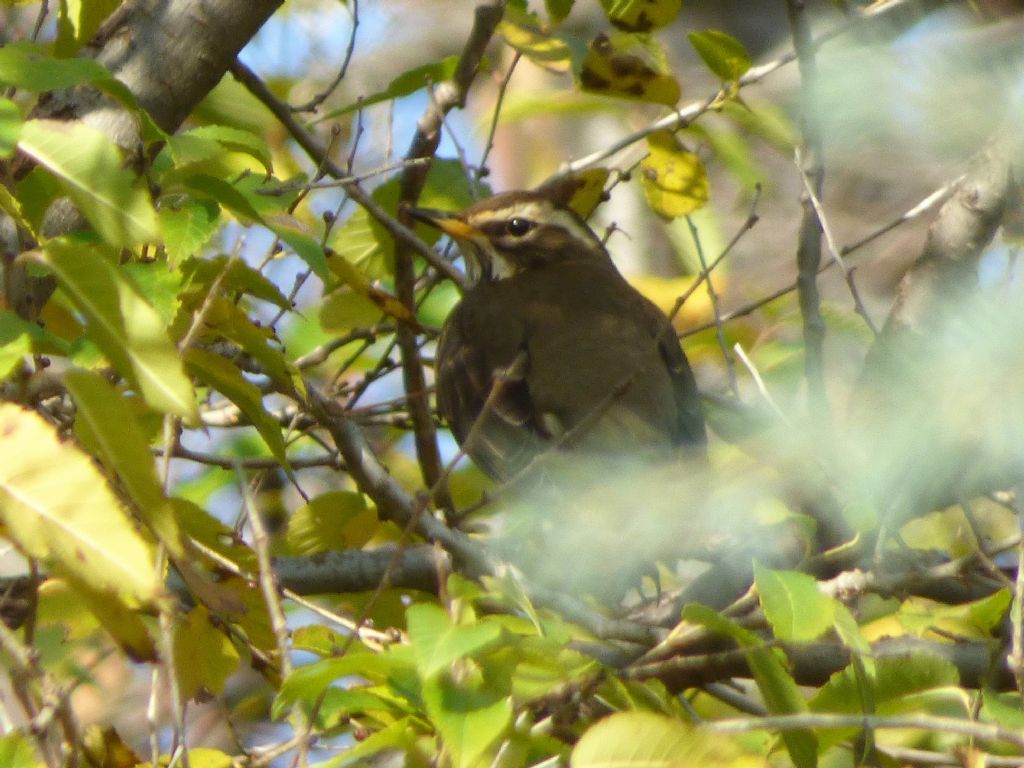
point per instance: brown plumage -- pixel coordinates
(569, 354)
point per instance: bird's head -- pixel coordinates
(511, 232)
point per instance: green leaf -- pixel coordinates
(306, 684)
(16, 751)
(332, 521)
(648, 740)
(1004, 709)
(469, 721)
(627, 67)
(10, 127)
(723, 53)
(204, 657)
(106, 423)
(234, 140)
(641, 15)
(226, 194)
(226, 318)
(558, 9)
(405, 84)
(221, 375)
(303, 243)
(778, 689)
(437, 643)
(119, 620)
(894, 679)
(397, 736)
(200, 274)
(977, 619)
(78, 21)
(19, 337)
(26, 65)
(187, 227)
(796, 609)
(123, 325)
(674, 181)
(56, 506)
(91, 169)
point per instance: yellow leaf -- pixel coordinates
(56, 506)
(674, 179)
(627, 68)
(204, 657)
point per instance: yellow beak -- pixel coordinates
(447, 222)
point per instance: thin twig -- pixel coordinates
(830, 241)
(925, 205)
(730, 365)
(316, 101)
(808, 254)
(687, 114)
(928, 723)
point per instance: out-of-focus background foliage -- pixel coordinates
(220, 538)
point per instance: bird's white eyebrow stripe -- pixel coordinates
(538, 212)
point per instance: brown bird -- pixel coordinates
(551, 347)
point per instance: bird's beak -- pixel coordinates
(447, 222)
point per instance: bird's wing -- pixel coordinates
(483, 395)
(689, 426)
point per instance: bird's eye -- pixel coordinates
(517, 226)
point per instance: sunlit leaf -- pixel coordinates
(723, 53)
(78, 21)
(469, 720)
(16, 751)
(582, 191)
(233, 140)
(91, 169)
(10, 126)
(106, 423)
(779, 690)
(332, 521)
(118, 619)
(437, 643)
(302, 242)
(226, 195)
(524, 32)
(626, 67)
(641, 15)
(673, 178)
(56, 506)
(227, 379)
(398, 735)
(236, 277)
(649, 740)
(26, 65)
(126, 328)
(204, 657)
(105, 748)
(796, 609)
(187, 226)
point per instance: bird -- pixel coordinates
(550, 348)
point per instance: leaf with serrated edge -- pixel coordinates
(796, 609)
(56, 506)
(91, 169)
(436, 642)
(123, 325)
(124, 448)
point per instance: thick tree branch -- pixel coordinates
(447, 96)
(170, 54)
